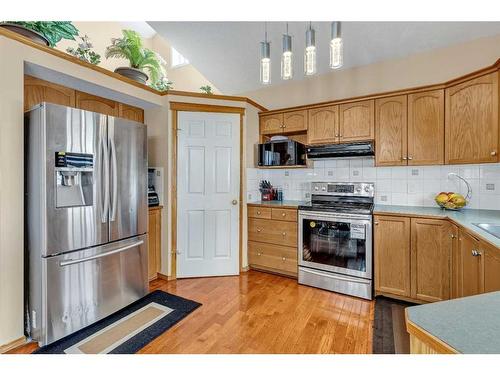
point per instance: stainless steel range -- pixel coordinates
(335, 238)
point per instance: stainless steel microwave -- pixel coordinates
(281, 153)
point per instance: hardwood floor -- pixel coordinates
(262, 313)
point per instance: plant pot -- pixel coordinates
(28, 33)
(132, 73)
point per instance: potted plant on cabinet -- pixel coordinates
(130, 47)
(48, 33)
(84, 51)
(206, 90)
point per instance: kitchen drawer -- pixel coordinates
(272, 257)
(286, 214)
(273, 231)
(259, 212)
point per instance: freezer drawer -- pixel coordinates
(83, 287)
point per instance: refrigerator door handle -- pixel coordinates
(114, 181)
(103, 148)
(119, 250)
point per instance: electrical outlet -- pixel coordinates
(249, 196)
(287, 173)
(330, 173)
(490, 186)
(307, 195)
(415, 172)
(286, 185)
(383, 198)
(355, 172)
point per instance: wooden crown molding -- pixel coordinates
(195, 107)
(63, 55)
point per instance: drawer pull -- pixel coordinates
(283, 259)
(259, 253)
(258, 212)
(283, 214)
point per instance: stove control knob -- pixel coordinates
(323, 188)
(316, 188)
(367, 189)
(358, 189)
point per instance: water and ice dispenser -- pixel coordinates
(74, 179)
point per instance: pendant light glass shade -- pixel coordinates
(287, 57)
(336, 46)
(265, 63)
(310, 52)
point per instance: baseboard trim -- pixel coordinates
(12, 345)
(165, 277)
(245, 269)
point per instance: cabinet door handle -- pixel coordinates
(410, 158)
(493, 153)
(404, 158)
(453, 236)
(259, 254)
(259, 230)
(283, 259)
(283, 214)
(258, 212)
(337, 135)
(376, 223)
(283, 234)
(476, 253)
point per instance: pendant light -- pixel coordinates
(310, 52)
(286, 57)
(336, 46)
(265, 59)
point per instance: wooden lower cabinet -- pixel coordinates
(455, 261)
(491, 259)
(392, 255)
(471, 266)
(272, 239)
(431, 246)
(154, 242)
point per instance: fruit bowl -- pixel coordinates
(450, 201)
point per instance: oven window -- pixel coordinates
(334, 244)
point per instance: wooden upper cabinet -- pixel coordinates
(472, 121)
(431, 246)
(356, 121)
(271, 124)
(392, 255)
(471, 278)
(323, 126)
(130, 113)
(94, 103)
(295, 121)
(391, 131)
(426, 128)
(37, 91)
(491, 260)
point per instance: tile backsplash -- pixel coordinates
(412, 185)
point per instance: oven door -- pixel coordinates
(336, 243)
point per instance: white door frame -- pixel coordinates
(175, 108)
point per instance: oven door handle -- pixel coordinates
(335, 276)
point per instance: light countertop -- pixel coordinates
(469, 325)
(464, 218)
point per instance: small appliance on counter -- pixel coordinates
(153, 198)
(281, 152)
(270, 193)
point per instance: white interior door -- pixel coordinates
(208, 175)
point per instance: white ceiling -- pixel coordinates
(227, 53)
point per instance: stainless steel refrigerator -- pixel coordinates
(85, 217)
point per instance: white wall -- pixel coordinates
(435, 66)
(407, 186)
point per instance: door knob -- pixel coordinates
(234, 202)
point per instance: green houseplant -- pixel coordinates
(141, 59)
(84, 51)
(163, 84)
(206, 89)
(44, 32)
